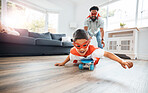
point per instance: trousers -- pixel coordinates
(98, 37)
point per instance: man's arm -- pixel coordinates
(63, 63)
(102, 36)
(115, 58)
(102, 33)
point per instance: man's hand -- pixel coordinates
(59, 64)
(102, 42)
(85, 28)
(128, 64)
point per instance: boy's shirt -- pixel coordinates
(93, 52)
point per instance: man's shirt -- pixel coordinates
(93, 26)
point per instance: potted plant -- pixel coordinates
(122, 25)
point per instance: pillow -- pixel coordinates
(40, 35)
(8, 30)
(23, 32)
(66, 39)
(2, 31)
(11, 31)
(47, 35)
(57, 36)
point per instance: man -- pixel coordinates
(94, 25)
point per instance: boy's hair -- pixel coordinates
(94, 8)
(80, 34)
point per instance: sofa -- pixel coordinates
(30, 43)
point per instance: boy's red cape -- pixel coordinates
(91, 49)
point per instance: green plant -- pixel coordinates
(122, 24)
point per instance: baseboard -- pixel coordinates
(143, 56)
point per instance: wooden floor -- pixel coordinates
(37, 74)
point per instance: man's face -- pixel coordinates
(81, 46)
(93, 14)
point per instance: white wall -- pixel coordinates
(82, 11)
(66, 15)
(143, 43)
(74, 11)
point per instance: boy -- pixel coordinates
(82, 49)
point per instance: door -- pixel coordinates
(125, 45)
(113, 45)
(120, 45)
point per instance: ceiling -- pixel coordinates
(84, 1)
(48, 5)
(100, 2)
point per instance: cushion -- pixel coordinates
(23, 32)
(12, 32)
(6, 38)
(47, 35)
(67, 44)
(40, 35)
(8, 30)
(42, 41)
(57, 36)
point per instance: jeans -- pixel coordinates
(98, 37)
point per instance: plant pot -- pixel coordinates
(121, 26)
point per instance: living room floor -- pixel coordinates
(37, 74)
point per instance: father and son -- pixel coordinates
(93, 26)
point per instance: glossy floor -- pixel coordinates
(37, 74)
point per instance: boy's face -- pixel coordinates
(81, 46)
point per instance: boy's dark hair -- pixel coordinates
(94, 8)
(80, 34)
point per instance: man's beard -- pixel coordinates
(93, 18)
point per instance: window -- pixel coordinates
(33, 20)
(53, 22)
(22, 17)
(103, 14)
(143, 13)
(122, 11)
(0, 9)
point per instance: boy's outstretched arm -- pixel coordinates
(114, 57)
(63, 63)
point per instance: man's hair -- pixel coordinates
(80, 34)
(94, 8)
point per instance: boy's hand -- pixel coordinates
(128, 64)
(59, 64)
